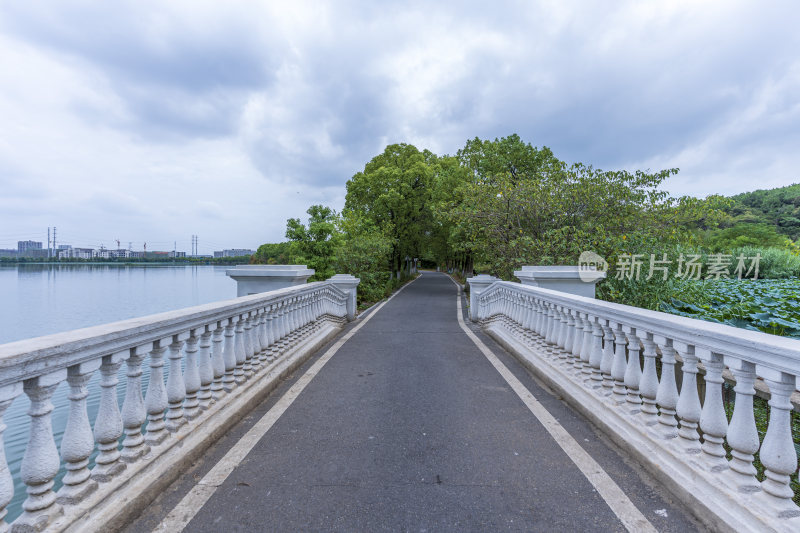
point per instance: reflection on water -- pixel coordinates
(40, 299)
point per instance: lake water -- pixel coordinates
(42, 299)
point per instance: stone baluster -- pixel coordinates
(303, 311)
(247, 345)
(255, 347)
(648, 385)
(229, 381)
(262, 336)
(619, 365)
(688, 407)
(569, 336)
(156, 399)
(586, 347)
(288, 332)
(271, 327)
(277, 324)
(7, 395)
(41, 463)
(518, 311)
(633, 372)
(667, 394)
(541, 326)
(176, 386)
(297, 316)
(742, 433)
(238, 350)
(77, 443)
(597, 353)
(217, 362)
(713, 421)
(133, 410)
(286, 316)
(191, 377)
(206, 369)
(607, 363)
(526, 314)
(550, 327)
(539, 322)
(561, 330)
(108, 423)
(577, 340)
(778, 454)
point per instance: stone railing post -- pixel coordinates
(477, 285)
(348, 284)
(253, 279)
(570, 279)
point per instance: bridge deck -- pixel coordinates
(409, 426)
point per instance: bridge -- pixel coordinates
(522, 408)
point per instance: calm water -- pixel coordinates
(39, 300)
(42, 299)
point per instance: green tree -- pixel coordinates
(315, 244)
(393, 192)
(364, 252)
(744, 234)
(279, 253)
(522, 205)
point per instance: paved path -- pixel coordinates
(409, 427)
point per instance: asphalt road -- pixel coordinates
(408, 427)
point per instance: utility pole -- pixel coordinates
(55, 248)
(48, 242)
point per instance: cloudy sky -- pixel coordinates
(150, 121)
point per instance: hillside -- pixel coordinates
(777, 207)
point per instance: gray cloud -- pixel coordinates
(230, 110)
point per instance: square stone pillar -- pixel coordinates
(579, 281)
(477, 285)
(253, 279)
(348, 284)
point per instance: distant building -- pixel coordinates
(8, 252)
(29, 249)
(120, 253)
(82, 253)
(64, 251)
(234, 252)
(177, 254)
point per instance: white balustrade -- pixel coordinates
(133, 409)
(618, 364)
(200, 360)
(77, 443)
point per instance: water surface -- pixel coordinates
(40, 299)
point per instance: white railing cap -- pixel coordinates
(773, 351)
(31, 357)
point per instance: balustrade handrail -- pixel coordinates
(771, 351)
(620, 366)
(215, 358)
(31, 357)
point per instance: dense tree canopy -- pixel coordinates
(497, 205)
